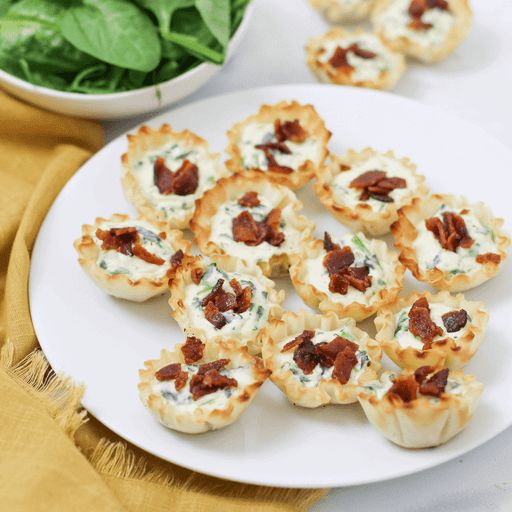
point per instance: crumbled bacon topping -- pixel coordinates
(182, 182)
(289, 130)
(177, 258)
(339, 57)
(451, 233)
(377, 185)
(219, 301)
(142, 253)
(247, 230)
(417, 9)
(338, 263)
(192, 349)
(426, 380)
(420, 323)
(488, 257)
(174, 372)
(196, 274)
(249, 199)
(268, 149)
(404, 388)
(305, 336)
(208, 379)
(455, 320)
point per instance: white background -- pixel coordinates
(476, 84)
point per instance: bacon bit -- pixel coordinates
(140, 252)
(404, 388)
(420, 323)
(243, 296)
(455, 320)
(337, 259)
(118, 239)
(451, 233)
(339, 59)
(162, 235)
(169, 372)
(358, 277)
(329, 351)
(249, 199)
(417, 24)
(176, 259)
(338, 284)
(181, 380)
(422, 373)
(367, 179)
(361, 52)
(182, 182)
(329, 245)
(281, 147)
(488, 257)
(305, 336)
(377, 185)
(306, 356)
(418, 7)
(344, 167)
(272, 164)
(196, 274)
(245, 229)
(436, 384)
(344, 364)
(222, 299)
(218, 364)
(192, 350)
(214, 316)
(289, 130)
(208, 379)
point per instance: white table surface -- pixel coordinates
(474, 83)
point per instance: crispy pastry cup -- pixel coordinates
(405, 232)
(422, 423)
(336, 12)
(463, 14)
(362, 217)
(232, 188)
(324, 302)
(329, 74)
(147, 140)
(328, 391)
(182, 278)
(284, 111)
(201, 419)
(120, 285)
(447, 353)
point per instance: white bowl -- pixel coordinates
(121, 104)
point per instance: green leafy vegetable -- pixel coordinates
(216, 16)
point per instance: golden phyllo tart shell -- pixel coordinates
(212, 221)
(371, 215)
(356, 58)
(173, 148)
(343, 11)
(425, 421)
(178, 410)
(124, 276)
(305, 155)
(422, 254)
(319, 387)
(195, 279)
(452, 350)
(438, 33)
(311, 279)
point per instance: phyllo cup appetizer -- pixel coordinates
(422, 408)
(200, 386)
(356, 58)
(428, 30)
(349, 275)
(129, 258)
(450, 243)
(225, 298)
(343, 11)
(319, 359)
(364, 190)
(431, 329)
(287, 140)
(251, 217)
(166, 171)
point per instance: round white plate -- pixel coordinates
(102, 342)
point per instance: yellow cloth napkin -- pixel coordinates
(53, 457)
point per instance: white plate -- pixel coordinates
(102, 341)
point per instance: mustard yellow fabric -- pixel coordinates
(53, 457)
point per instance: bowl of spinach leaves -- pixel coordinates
(109, 59)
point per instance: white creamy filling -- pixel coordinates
(222, 233)
(242, 323)
(406, 339)
(284, 360)
(364, 69)
(431, 255)
(394, 23)
(175, 153)
(393, 168)
(114, 262)
(182, 400)
(381, 271)
(262, 133)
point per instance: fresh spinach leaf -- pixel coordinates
(216, 16)
(114, 31)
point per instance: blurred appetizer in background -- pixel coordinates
(422, 408)
(449, 242)
(129, 258)
(428, 30)
(288, 141)
(431, 329)
(357, 58)
(319, 359)
(364, 189)
(343, 11)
